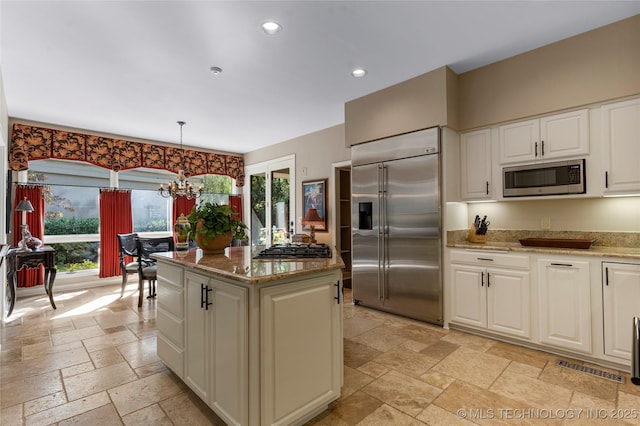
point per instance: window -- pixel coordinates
(151, 212)
(71, 223)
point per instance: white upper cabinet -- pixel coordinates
(475, 165)
(555, 136)
(519, 141)
(621, 139)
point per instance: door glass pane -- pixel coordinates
(280, 225)
(258, 211)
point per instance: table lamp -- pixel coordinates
(25, 206)
(312, 219)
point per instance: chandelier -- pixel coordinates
(180, 187)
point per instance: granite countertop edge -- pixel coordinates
(238, 265)
(593, 251)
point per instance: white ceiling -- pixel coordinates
(133, 68)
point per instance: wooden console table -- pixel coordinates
(18, 259)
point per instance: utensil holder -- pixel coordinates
(472, 237)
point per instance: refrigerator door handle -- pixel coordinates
(385, 231)
(380, 274)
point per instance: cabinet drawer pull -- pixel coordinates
(337, 284)
(569, 265)
(482, 279)
(485, 258)
(488, 280)
(207, 303)
(202, 295)
(487, 187)
(542, 150)
(536, 150)
(606, 274)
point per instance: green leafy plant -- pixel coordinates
(217, 220)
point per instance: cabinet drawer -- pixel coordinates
(172, 356)
(171, 327)
(170, 298)
(490, 259)
(171, 275)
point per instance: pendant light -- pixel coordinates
(180, 187)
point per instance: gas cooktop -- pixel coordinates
(295, 251)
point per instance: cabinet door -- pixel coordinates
(475, 167)
(621, 298)
(170, 317)
(468, 295)
(301, 364)
(508, 302)
(565, 304)
(196, 372)
(228, 363)
(621, 127)
(519, 141)
(564, 135)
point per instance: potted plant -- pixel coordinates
(213, 226)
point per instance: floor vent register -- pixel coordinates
(593, 371)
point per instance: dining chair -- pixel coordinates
(127, 246)
(147, 268)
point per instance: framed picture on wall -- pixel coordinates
(314, 205)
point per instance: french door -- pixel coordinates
(270, 207)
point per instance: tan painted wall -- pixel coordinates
(414, 104)
(315, 153)
(592, 67)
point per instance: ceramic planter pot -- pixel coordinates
(215, 245)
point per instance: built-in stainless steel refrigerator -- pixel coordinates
(396, 240)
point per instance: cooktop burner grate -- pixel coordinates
(295, 251)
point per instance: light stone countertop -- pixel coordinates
(606, 244)
(596, 251)
(237, 264)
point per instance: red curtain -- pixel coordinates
(115, 218)
(182, 205)
(35, 221)
(235, 201)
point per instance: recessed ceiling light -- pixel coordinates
(215, 70)
(359, 72)
(271, 27)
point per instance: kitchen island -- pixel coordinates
(259, 341)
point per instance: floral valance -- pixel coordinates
(38, 143)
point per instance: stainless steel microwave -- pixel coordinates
(554, 178)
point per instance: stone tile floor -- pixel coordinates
(93, 362)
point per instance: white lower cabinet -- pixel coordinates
(621, 302)
(216, 345)
(558, 305)
(564, 301)
(302, 326)
(491, 297)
